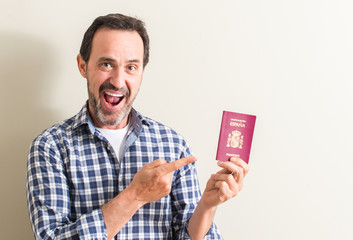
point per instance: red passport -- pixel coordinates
(236, 135)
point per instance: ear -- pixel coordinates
(82, 66)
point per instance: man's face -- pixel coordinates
(114, 74)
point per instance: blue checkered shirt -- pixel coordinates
(73, 171)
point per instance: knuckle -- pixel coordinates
(165, 182)
(177, 165)
(166, 189)
(230, 195)
(241, 172)
(222, 198)
(161, 161)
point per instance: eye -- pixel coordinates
(106, 65)
(131, 68)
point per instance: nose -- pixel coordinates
(118, 78)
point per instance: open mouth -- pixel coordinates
(113, 98)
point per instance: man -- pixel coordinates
(110, 172)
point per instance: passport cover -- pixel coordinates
(235, 136)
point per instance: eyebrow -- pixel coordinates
(107, 59)
(134, 61)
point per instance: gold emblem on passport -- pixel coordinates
(235, 139)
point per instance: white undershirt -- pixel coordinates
(116, 138)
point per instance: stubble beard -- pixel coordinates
(107, 117)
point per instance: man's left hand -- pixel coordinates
(226, 183)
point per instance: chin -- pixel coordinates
(113, 119)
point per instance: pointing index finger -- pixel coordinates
(172, 166)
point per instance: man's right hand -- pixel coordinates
(153, 181)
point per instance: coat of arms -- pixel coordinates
(235, 140)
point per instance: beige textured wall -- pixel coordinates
(288, 62)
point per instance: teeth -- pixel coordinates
(114, 94)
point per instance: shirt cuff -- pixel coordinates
(92, 226)
(213, 233)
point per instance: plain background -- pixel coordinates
(288, 62)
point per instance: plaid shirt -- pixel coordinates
(73, 171)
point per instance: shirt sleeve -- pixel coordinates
(48, 198)
(185, 197)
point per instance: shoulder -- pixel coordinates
(61, 135)
(155, 132)
(160, 130)
(65, 129)
(51, 139)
